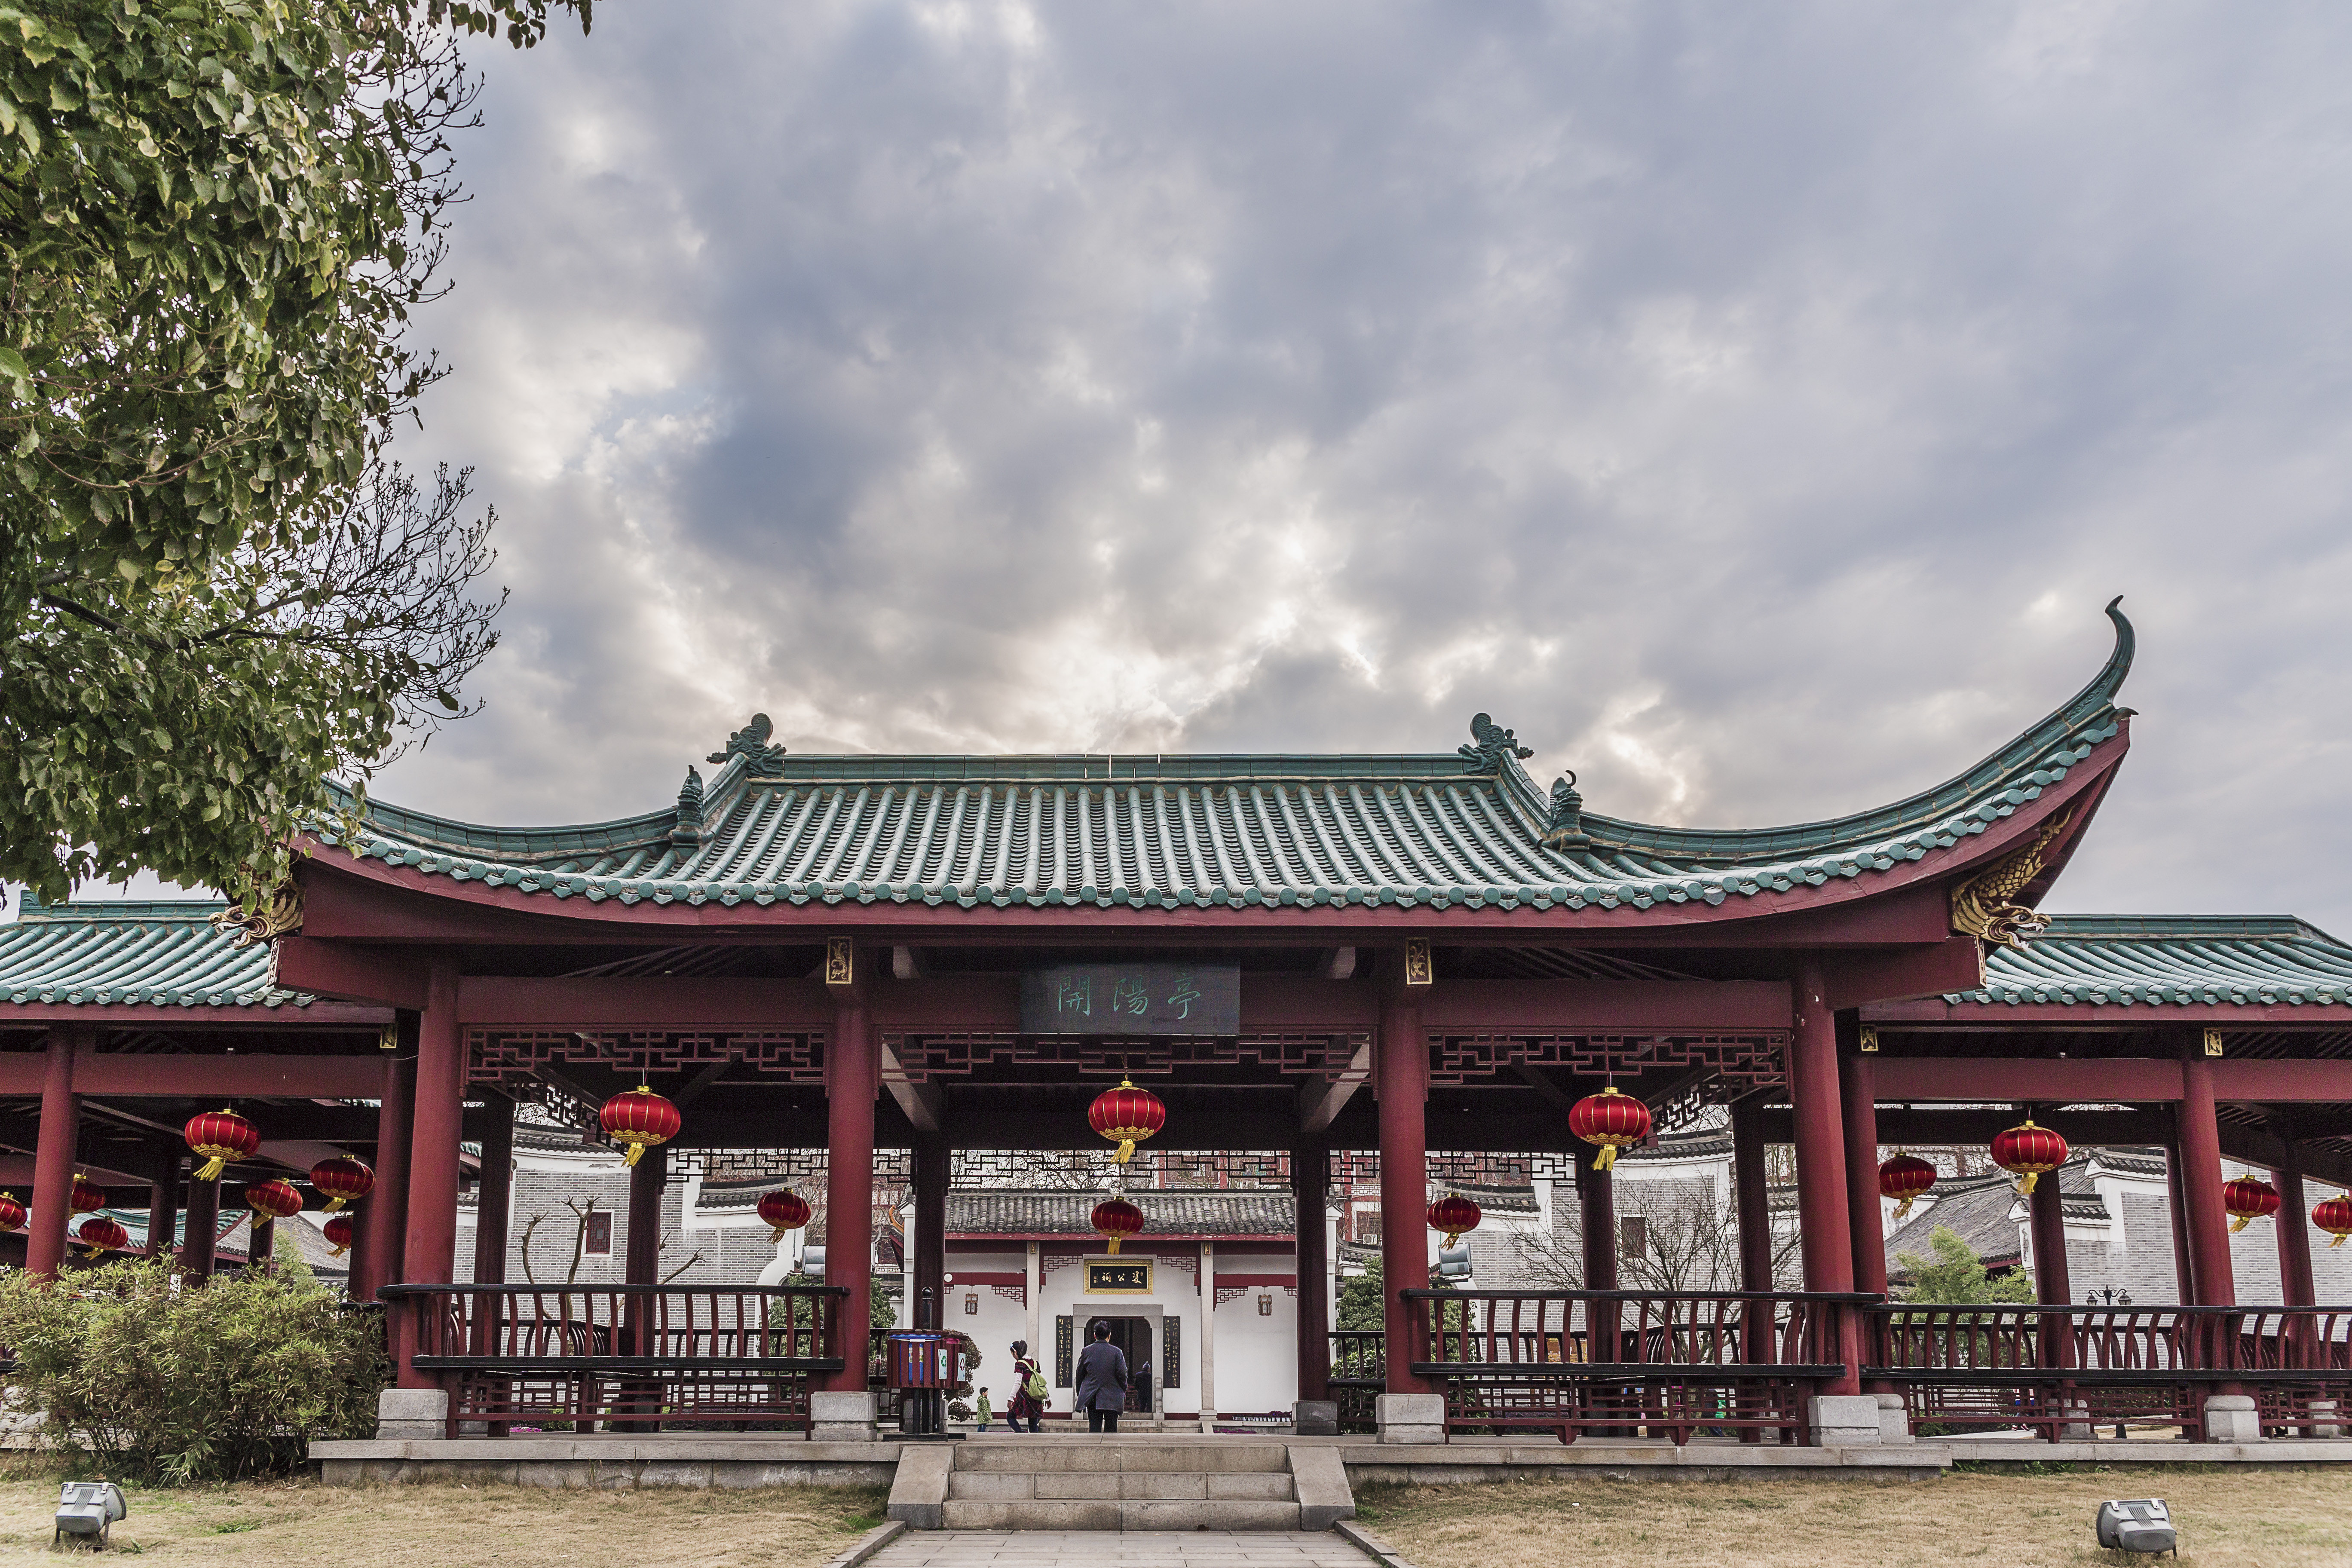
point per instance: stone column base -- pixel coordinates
(1894, 1419)
(1315, 1417)
(2323, 1428)
(843, 1416)
(2232, 1418)
(1842, 1420)
(412, 1414)
(1409, 1417)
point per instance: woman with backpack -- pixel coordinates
(1028, 1390)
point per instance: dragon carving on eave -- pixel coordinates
(1983, 906)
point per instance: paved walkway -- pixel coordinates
(1119, 1549)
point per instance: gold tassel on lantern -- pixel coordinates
(1606, 1158)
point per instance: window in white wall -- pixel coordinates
(596, 1235)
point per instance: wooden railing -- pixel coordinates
(1615, 1362)
(635, 1356)
(2068, 1371)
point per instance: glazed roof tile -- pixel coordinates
(2174, 960)
(1169, 1215)
(1435, 831)
(107, 953)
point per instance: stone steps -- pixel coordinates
(1119, 1484)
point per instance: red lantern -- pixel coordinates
(1612, 1120)
(100, 1234)
(640, 1118)
(784, 1210)
(337, 1233)
(12, 1213)
(1126, 1116)
(2334, 1215)
(2027, 1151)
(87, 1198)
(343, 1179)
(221, 1136)
(2248, 1200)
(277, 1199)
(1452, 1215)
(1903, 1178)
(1117, 1219)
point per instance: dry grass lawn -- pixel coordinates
(269, 1524)
(2300, 1518)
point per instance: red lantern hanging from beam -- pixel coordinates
(1610, 1119)
(2028, 1151)
(2248, 1200)
(1903, 1178)
(1116, 1219)
(338, 1232)
(88, 1198)
(2334, 1215)
(101, 1234)
(221, 1136)
(1126, 1116)
(277, 1199)
(343, 1179)
(12, 1213)
(639, 1118)
(1452, 1215)
(784, 1210)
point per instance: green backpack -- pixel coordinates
(1035, 1385)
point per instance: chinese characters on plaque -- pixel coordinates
(1132, 999)
(1120, 1278)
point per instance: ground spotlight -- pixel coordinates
(2139, 1524)
(85, 1508)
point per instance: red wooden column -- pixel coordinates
(2293, 1221)
(927, 1284)
(262, 1243)
(1825, 1236)
(2184, 1270)
(641, 1251)
(494, 1200)
(1864, 1220)
(430, 1254)
(53, 1155)
(204, 1230)
(1310, 1192)
(851, 1078)
(2200, 1185)
(2047, 1207)
(164, 1205)
(1752, 1195)
(382, 1217)
(1401, 1080)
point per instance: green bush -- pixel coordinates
(165, 1381)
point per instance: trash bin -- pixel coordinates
(923, 1367)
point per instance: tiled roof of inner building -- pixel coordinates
(1167, 832)
(2181, 959)
(156, 954)
(1167, 1214)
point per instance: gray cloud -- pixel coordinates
(1753, 408)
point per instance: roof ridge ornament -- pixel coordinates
(1566, 829)
(279, 915)
(1982, 906)
(1492, 744)
(689, 809)
(761, 760)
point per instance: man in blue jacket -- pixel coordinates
(1102, 1380)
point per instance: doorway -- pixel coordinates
(1134, 1338)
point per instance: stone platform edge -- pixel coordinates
(606, 1463)
(1433, 1464)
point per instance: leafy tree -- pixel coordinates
(215, 221)
(1957, 1276)
(1362, 1306)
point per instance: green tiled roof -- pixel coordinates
(1434, 831)
(111, 953)
(2177, 960)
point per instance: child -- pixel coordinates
(983, 1409)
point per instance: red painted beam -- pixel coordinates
(652, 1002)
(1858, 979)
(2131, 1080)
(2270, 1082)
(388, 978)
(127, 1076)
(1462, 1005)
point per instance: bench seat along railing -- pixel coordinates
(2066, 1371)
(635, 1358)
(1624, 1362)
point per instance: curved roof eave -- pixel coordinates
(1170, 833)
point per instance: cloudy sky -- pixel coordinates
(1753, 407)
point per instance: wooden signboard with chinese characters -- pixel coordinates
(1118, 1277)
(1132, 999)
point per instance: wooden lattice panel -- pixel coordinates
(508, 1055)
(1750, 1058)
(921, 1057)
